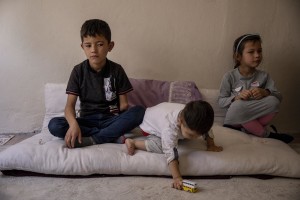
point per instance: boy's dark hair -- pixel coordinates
(239, 45)
(198, 116)
(94, 27)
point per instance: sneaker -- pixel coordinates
(282, 136)
(85, 141)
(274, 128)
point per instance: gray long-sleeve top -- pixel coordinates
(233, 83)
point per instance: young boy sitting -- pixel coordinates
(102, 86)
(165, 123)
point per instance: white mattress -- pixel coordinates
(243, 154)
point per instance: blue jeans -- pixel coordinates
(103, 128)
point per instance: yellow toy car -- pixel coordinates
(189, 186)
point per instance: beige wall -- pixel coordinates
(158, 39)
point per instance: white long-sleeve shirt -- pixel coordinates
(162, 120)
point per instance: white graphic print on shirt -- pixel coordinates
(109, 93)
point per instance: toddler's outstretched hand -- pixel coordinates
(177, 183)
(215, 148)
(211, 145)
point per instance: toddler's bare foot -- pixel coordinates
(130, 146)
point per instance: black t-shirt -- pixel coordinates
(98, 91)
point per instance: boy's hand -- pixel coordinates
(72, 134)
(177, 183)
